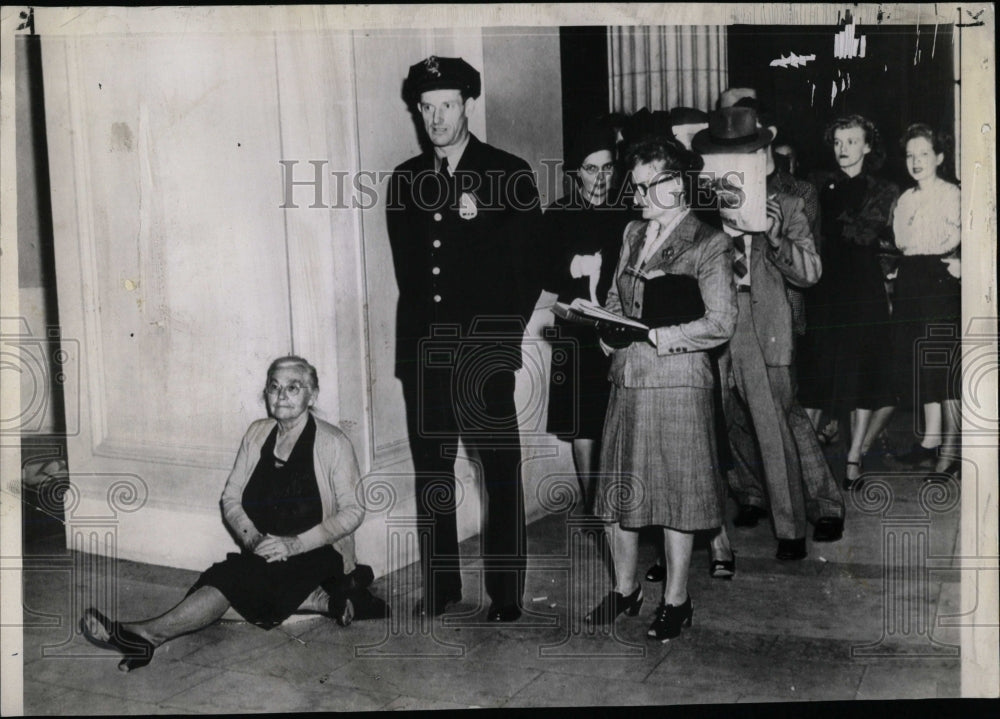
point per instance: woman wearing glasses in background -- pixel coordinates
(584, 234)
(291, 502)
(658, 459)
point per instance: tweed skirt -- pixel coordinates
(659, 460)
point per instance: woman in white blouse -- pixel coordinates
(927, 306)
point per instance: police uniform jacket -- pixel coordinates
(460, 247)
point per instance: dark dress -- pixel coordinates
(845, 362)
(578, 381)
(282, 499)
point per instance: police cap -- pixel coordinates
(441, 73)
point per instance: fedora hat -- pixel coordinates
(732, 130)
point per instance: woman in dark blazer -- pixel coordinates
(658, 459)
(583, 232)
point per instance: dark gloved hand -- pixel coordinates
(619, 336)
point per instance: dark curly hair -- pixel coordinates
(941, 142)
(876, 157)
(673, 155)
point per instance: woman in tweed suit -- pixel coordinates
(659, 463)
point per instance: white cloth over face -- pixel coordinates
(929, 222)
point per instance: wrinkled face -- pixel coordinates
(921, 160)
(850, 147)
(445, 116)
(659, 192)
(289, 393)
(595, 176)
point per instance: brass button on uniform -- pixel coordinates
(437, 298)
(437, 216)
(436, 243)
(435, 270)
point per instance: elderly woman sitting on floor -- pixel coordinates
(291, 501)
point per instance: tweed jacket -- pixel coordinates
(679, 358)
(796, 261)
(461, 248)
(337, 477)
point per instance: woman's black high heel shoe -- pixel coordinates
(614, 604)
(855, 483)
(669, 620)
(137, 650)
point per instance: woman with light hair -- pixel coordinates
(292, 503)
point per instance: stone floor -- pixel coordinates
(857, 619)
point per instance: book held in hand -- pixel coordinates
(667, 300)
(585, 312)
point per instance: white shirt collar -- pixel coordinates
(656, 237)
(453, 153)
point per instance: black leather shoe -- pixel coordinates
(428, 606)
(669, 620)
(101, 631)
(791, 549)
(503, 613)
(828, 529)
(852, 482)
(656, 573)
(749, 515)
(614, 604)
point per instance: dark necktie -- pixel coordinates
(444, 168)
(740, 256)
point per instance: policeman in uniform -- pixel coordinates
(461, 217)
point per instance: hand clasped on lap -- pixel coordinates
(277, 549)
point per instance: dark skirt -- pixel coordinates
(845, 361)
(659, 462)
(578, 383)
(267, 593)
(927, 314)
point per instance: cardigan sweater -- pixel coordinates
(337, 477)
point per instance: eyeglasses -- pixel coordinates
(594, 169)
(291, 391)
(643, 188)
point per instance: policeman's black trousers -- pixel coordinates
(444, 405)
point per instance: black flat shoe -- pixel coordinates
(503, 613)
(749, 515)
(614, 604)
(722, 568)
(137, 650)
(791, 549)
(669, 620)
(828, 529)
(656, 573)
(435, 607)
